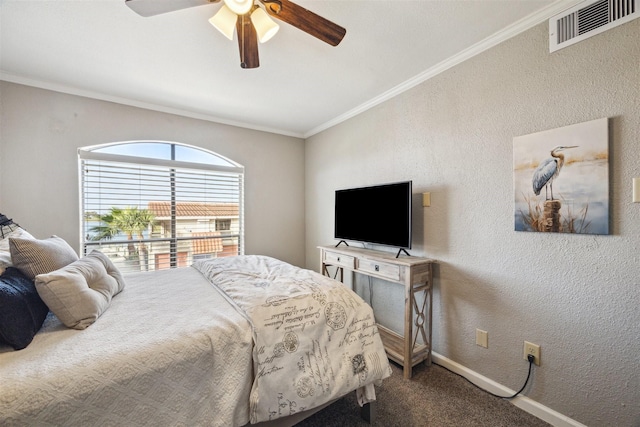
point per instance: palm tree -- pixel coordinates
(129, 221)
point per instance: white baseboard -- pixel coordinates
(523, 402)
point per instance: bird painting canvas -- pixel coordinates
(561, 179)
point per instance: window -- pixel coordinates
(152, 205)
(223, 224)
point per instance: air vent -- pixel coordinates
(588, 19)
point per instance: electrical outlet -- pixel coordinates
(533, 349)
(482, 338)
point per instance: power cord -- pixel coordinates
(531, 358)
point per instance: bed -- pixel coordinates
(226, 342)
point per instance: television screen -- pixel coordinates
(379, 214)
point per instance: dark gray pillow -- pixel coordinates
(22, 311)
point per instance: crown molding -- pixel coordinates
(512, 30)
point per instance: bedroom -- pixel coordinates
(576, 296)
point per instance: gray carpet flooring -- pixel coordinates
(434, 397)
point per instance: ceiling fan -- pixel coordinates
(250, 21)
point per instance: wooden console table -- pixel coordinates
(416, 274)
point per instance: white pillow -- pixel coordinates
(81, 291)
(5, 261)
(18, 233)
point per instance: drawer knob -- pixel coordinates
(376, 267)
(338, 259)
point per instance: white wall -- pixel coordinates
(40, 131)
(575, 295)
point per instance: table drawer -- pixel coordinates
(381, 269)
(335, 258)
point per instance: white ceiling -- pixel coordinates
(177, 62)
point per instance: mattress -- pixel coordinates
(223, 343)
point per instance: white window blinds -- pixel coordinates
(151, 213)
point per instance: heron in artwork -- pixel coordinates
(548, 170)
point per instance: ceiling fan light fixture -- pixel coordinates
(224, 21)
(239, 7)
(264, 25)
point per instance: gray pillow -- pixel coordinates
(33, 257)
(81, 291)
(5, 253)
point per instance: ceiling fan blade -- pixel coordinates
(247, 42)
(305, 20)
(148, 8)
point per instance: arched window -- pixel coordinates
(152, 205)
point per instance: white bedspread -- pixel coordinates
(315, 340)
(169, 351)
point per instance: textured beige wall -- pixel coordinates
(575, 295)
(41, 131)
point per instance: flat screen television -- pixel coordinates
(379, 214)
